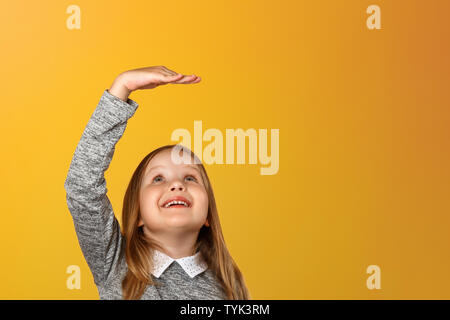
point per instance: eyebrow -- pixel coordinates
(184, 166)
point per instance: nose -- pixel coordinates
(177, 186)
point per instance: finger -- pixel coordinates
(170, 77)
(197, 80)
(169, 71)
(186, 79)
(194, 80)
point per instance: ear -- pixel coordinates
(207, 223)
(140, 223)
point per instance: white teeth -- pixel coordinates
(176, 202)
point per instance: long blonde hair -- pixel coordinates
(139, 248)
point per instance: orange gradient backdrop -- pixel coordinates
(364, 136)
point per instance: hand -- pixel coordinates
(147, 78)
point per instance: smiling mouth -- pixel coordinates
(176, 204)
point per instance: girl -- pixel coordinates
(171, 245)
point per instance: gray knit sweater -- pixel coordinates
(96, 226)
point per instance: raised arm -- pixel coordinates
(95, 224)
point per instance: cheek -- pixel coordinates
(149, 201)
(202, 198)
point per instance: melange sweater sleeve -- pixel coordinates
(95, 224)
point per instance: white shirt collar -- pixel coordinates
(192, 265)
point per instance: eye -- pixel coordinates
(158, 178)
(190, 177)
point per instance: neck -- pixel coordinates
(175, 245)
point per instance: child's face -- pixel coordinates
(164, 180)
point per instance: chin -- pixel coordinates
(184, 225)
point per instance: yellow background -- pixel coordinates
(364, 139)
